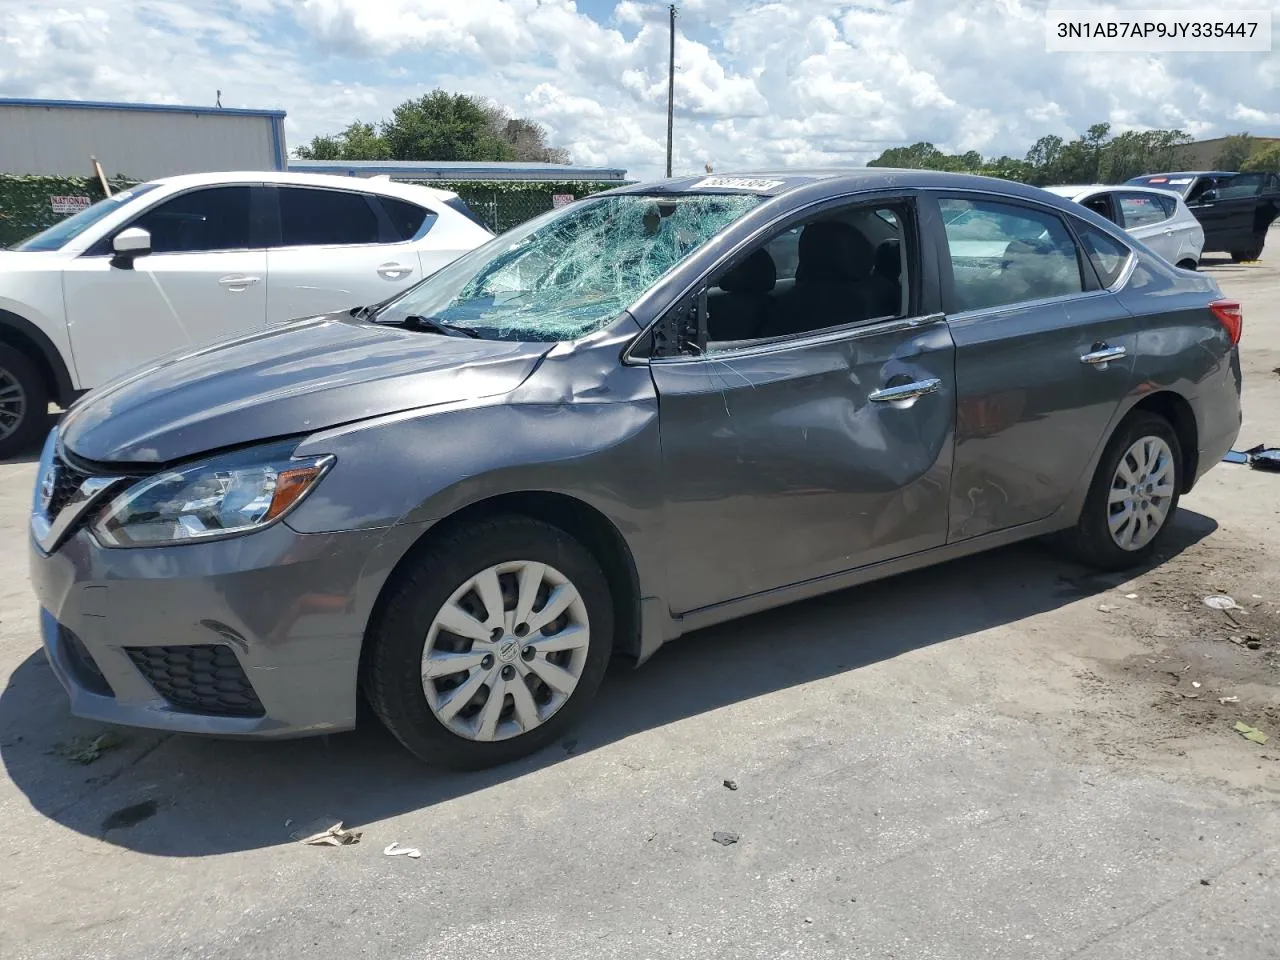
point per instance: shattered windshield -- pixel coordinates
(571, 271)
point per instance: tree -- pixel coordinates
(444, 126)
(1264, 160)
(440, 126)
(918, 156)
(1235, 150)
(360, 141)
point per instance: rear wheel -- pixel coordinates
(24, 402)
(1133, 496)
(491, 644)
(1248, 253)
(1188, 264)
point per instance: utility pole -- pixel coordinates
(671, 87)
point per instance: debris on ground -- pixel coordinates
(85, 750)
(1131, 596)
(130, 816)
(1204, 883)
(1253, 643)
(1225, 700)
(1107, 608)
(326, 832)
(1251, 733)
(393, 849)
(731, 784)
(1264, 458)
(1220, 601)
(725, 838)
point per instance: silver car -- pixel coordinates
(1159, 218)
(653, 410)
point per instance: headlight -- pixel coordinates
(220, 497)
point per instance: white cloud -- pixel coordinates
(759, 83)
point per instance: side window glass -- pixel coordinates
(1003, 254)
(1140, 209)
(408, 220)
(1101, 206)
(843, 267)
(1107, 254)
(1243, 186)
(199, 221)
(1168, 204)
(312, 218)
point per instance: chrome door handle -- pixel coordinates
(394, 271)
(908, 391)
(236, 284)
(1104, 355)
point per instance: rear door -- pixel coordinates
(204, 279)
(825, 445)
(337, 249)
(1150, 218)
(1044, 356)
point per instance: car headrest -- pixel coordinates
(833, 251)
(755, 275)
(889, 259)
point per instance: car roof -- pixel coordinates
(832, 182)
(1073, 191)
(380, 185)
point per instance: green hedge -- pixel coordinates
(24, 201)
(25, 208)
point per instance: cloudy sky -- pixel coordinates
(759, 82)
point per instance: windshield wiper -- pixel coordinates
(362, 313)
(432, 325)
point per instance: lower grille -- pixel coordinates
(82, 665)
(206, 679)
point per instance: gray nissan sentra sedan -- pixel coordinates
(653, 410)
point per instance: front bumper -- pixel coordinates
(257, 635)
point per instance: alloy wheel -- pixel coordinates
(505, 651)
(13, 404)
(1141, 494)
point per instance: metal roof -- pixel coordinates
(458, 170)
(140, 107)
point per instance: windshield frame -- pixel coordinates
(111, 207)
(624, 315)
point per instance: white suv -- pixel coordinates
(182, 261)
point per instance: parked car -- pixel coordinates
(1235, 209)
(183, 261)
(617, 423)
(1156, 217)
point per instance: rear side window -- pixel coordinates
(312, 218)
(408, 220)
(1141, 209)
(1107, 254)
(1004, 254)
(216, 218)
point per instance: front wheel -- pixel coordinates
(491, 643)
(24, 402)
(1133, 496)
(1247, 255)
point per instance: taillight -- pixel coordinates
(1228, 314)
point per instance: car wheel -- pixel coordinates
(490, 644)
(1133, 496)
(1188, 264)
(1249, 254)
(24, 402)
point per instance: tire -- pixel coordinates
(1091, 540)
(1249, 253)
(1188, 264)
(24, 403)
(405, 630)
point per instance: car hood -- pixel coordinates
(296, 378)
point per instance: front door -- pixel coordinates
(202, 281)
(815, 434)
(1044, 355)
(1226, 218)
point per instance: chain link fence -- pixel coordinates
(29, 204)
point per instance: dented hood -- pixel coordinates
(296, 378)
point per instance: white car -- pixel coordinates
(1159, 218)
(186, 260)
